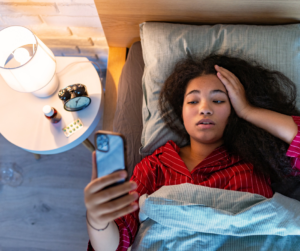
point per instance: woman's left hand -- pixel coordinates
(236, 91)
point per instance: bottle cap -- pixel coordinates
(48, 110)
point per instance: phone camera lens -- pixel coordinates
(103, 143)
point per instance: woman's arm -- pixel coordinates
(280, 125)
(104, 240)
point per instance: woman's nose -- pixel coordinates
(204, 107)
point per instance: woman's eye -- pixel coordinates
(213, 101)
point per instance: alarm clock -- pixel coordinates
(74, 97)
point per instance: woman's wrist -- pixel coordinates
(95, 225)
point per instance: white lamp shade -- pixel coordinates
(33, 72)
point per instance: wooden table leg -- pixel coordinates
(88, 145)
(37, 156)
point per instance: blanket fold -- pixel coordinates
(193, 217)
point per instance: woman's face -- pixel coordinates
(202, 101)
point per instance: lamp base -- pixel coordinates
(49, 89)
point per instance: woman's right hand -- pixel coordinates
(100, 209)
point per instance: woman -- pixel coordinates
(260, 126)
(243, 150)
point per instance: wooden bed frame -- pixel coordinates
(120, 20)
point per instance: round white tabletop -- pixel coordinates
(24, 124)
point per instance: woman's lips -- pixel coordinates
(203, 126)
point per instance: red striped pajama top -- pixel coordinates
(218, 170)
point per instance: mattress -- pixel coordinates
(128, 115)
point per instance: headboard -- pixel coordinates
(120, 20)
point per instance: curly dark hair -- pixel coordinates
(267, 89)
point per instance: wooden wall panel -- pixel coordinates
(121, 18)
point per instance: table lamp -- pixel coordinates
(26, 63)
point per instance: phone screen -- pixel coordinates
(109, 154)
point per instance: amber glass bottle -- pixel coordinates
(51, 114)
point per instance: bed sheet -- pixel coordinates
(128, 115)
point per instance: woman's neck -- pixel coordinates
(197, 151)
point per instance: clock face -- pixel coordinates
(77, 104)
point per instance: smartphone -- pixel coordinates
(110, 150)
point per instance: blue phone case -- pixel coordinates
(110, 154)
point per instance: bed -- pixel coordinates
(120, 21)
(126, 24)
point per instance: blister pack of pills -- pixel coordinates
(72, 127)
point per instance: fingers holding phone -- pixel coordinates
(100, 203)
(107, 196)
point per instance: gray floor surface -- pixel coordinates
(47, 211)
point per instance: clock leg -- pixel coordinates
(37, 156)
(88, 145)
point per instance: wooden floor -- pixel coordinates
(47, 211)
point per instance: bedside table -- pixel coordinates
(24, 124)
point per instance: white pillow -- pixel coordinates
(275, 47)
